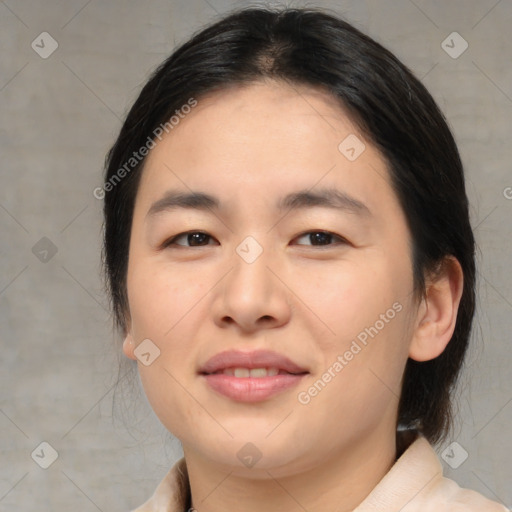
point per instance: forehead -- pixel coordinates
(254, 143)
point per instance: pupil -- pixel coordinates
(320, 238)
(196, 238)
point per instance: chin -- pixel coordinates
(252, 454)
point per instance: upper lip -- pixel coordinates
(255, 359)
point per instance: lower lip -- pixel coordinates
(251, 389)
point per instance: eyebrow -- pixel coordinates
(325, 197)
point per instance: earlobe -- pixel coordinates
(129, 346)
(437, 314)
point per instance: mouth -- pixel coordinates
(251, 376)
(258, 363)
(255, 373)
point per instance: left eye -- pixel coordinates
(320, 238)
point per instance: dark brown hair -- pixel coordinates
(390, 106)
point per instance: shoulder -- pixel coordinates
(415, 483)
(446, 494)
(173, 492)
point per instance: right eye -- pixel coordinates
(189, 239)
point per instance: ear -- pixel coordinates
(129, 345)
(437, 313)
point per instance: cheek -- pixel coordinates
(347, 296)
(163, 305)
(159, 297)
(364, 306)
(360, 379)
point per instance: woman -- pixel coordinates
(290, 261)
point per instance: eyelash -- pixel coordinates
(341, 240)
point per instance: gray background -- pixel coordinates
(59, 360)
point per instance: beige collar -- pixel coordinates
(415, 483)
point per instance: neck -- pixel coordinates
(341, 482)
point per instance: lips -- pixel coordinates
(251, 376)
(233, 362)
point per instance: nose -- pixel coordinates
(252, 297)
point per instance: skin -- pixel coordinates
(250, 146)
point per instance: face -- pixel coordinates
(300, 249)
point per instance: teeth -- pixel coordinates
(253, 372)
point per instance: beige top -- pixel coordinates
(415, 483)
